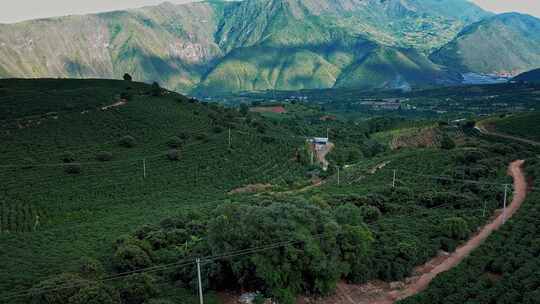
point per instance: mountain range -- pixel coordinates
(216, 47)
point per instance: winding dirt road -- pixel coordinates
(387, 293)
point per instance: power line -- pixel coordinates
(135, 159)
(179, 264)
(261, 170)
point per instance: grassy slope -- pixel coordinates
(521, 125)
(81, 215)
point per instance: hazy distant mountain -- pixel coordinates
(503, 44)
(216, 46)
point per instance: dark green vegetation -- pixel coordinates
(361, 229)
(521, 125)
(503, 270)
(152, 181)
(503, 44)
(530, 76)
(73, 180)
(444, 103)
(211, 47)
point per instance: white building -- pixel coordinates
(319, 142)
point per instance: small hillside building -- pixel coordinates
(319, 143)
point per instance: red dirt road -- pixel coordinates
(388, 293)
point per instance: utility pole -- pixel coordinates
(144, 167)
(328, 133)
(198, 260)
(484, 210)
(394, 179)
(311, 153)
(505, 197)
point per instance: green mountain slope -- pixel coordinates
(61, 215)
(395, 68)
(197, 46)
(504, 44)
(161, 43)
(530, 76)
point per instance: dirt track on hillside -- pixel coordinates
(485, 130)
(386, 293)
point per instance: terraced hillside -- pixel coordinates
(525, 125)
(75, 175)
(503, 270)
(139, 181)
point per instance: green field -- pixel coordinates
(50, 218)
(521, 125)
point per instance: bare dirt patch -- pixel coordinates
(276, 109)
(429, 137)
(251, 188)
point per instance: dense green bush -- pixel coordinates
(202, 137)
(137, 289)
(447, 143)
(455, 228)
(131, 254)
(251, 226)
(91, 268)
(73, 168)
(371, 148)
(348, 214)
(68, 157)
(328, 249)
(128, 141)
(95, 294)
(370, 213)
(104, 156)
(71, 288)
(60, 296)
(356, 248)
(217, 129)
(175, 142)
(173, 154)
